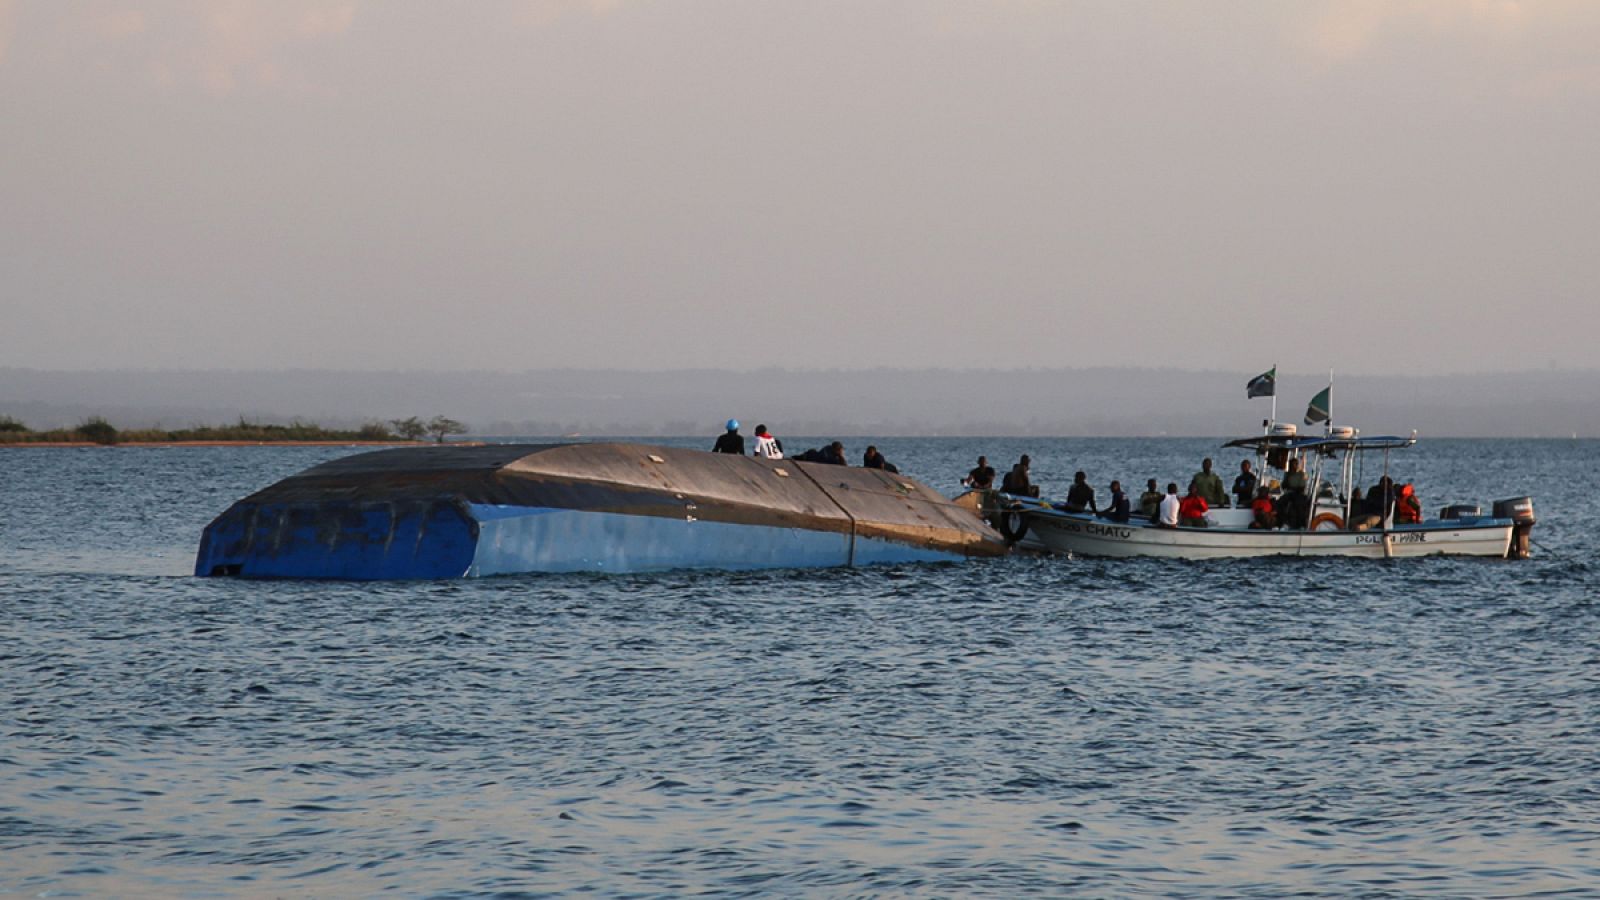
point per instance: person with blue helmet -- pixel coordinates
(731, 441)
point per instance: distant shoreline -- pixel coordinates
(1047, 401)
(61, 444)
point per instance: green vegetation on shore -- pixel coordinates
(97, 430)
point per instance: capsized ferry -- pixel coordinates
(1332, 526)
(460, 511)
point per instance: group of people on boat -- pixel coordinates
(769, 447)
(1168, 510)
(1382, 500)
(1290, 507)
(1286, 503)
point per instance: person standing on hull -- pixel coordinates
(1208, 485)
(731, 441)
(766, 445)
(1017, 483)
(1244, 486)
(1081, 496)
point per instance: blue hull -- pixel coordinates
(352, 541)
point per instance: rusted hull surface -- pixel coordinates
(448, 512)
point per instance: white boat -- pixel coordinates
(1459, 530)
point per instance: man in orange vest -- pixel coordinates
(1261, 510)
(1407, 508)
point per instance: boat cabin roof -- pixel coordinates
(1262, 442)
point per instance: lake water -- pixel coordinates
(1021, 726)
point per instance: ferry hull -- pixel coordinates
(504, 509)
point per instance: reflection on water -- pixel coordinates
(1024, 725)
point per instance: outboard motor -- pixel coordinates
(1520, 511)
(1461, 511)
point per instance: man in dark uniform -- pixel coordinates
(1117, 509)
(1244, 487)
(731, 441)
(873, 459)
(1380, 500)
(980, 478)
(1080, 496)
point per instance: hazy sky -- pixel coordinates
(1383, 186)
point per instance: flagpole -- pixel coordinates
(1328, 425)
(1274, 419)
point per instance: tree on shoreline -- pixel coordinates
(440, 427)
(99, 431)
(412, 429)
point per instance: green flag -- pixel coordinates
(1263, 385)
(1321, 408)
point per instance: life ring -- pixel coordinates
(1327, 518)
(1012, 525)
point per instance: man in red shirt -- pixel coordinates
(1192, 509)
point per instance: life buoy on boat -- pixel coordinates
(1011, 524)
(1327, 518)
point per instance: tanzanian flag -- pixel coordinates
(1263, 385)
(1321, 407)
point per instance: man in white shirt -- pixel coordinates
(1168, 517)
(766, 444)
